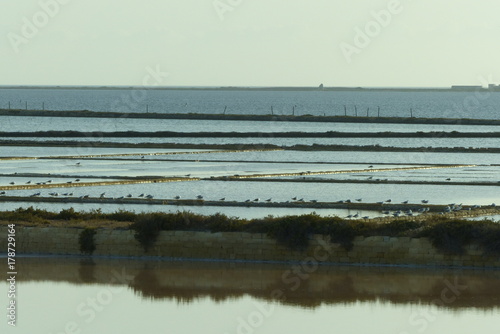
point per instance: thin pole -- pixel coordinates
(356, 110)
(43, 105)
(9, 105)
(345, 110)
(272, 111)
(378, 112)
(26, 105)
(147, 108)
(367, 111)
(411, 112)
(225, 107)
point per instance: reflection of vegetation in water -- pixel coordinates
(447, 235)
(86, 270)
(192, 281)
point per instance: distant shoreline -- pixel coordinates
(248, 117)
(277, 88)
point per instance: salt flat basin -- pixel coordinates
(268, 139)
(15, 123)
(165, 296)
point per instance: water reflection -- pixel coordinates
(303, 286)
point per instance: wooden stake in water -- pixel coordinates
(272, 111)
(147, 108)
(26, 105)
(43, 105)
(225, 107)
(367, 111)
(345, 110)
(293, 110)
(355, 110)
(411, 112)
(378, 113)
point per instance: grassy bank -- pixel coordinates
(450, 236)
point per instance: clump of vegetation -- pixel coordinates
(344, 232)
(86, 241)
(291, 231)
(147, 229)
(452, 236)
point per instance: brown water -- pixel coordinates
(74, 295)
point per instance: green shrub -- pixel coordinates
(122, 216)
(68, 214)
(450, 236)
(221, 223)
(147, 228)
(291, 231)
(344, 233)
(86, 241)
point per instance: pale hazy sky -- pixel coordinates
(422, 43)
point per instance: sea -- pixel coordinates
(98, 295)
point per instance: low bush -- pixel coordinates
(147, 228)
(86, 241)
(452, 236)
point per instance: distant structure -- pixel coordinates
(321, 87)
(491, 87)
(457, 87)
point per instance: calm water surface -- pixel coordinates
(125, 296)
(391, 103)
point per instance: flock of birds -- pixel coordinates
(43, 183)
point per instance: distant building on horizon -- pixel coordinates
(458, 87)
(492, 87)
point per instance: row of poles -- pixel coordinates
(25, 105)
(345, 111)
(272, 109)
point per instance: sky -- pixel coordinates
(367, 43)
